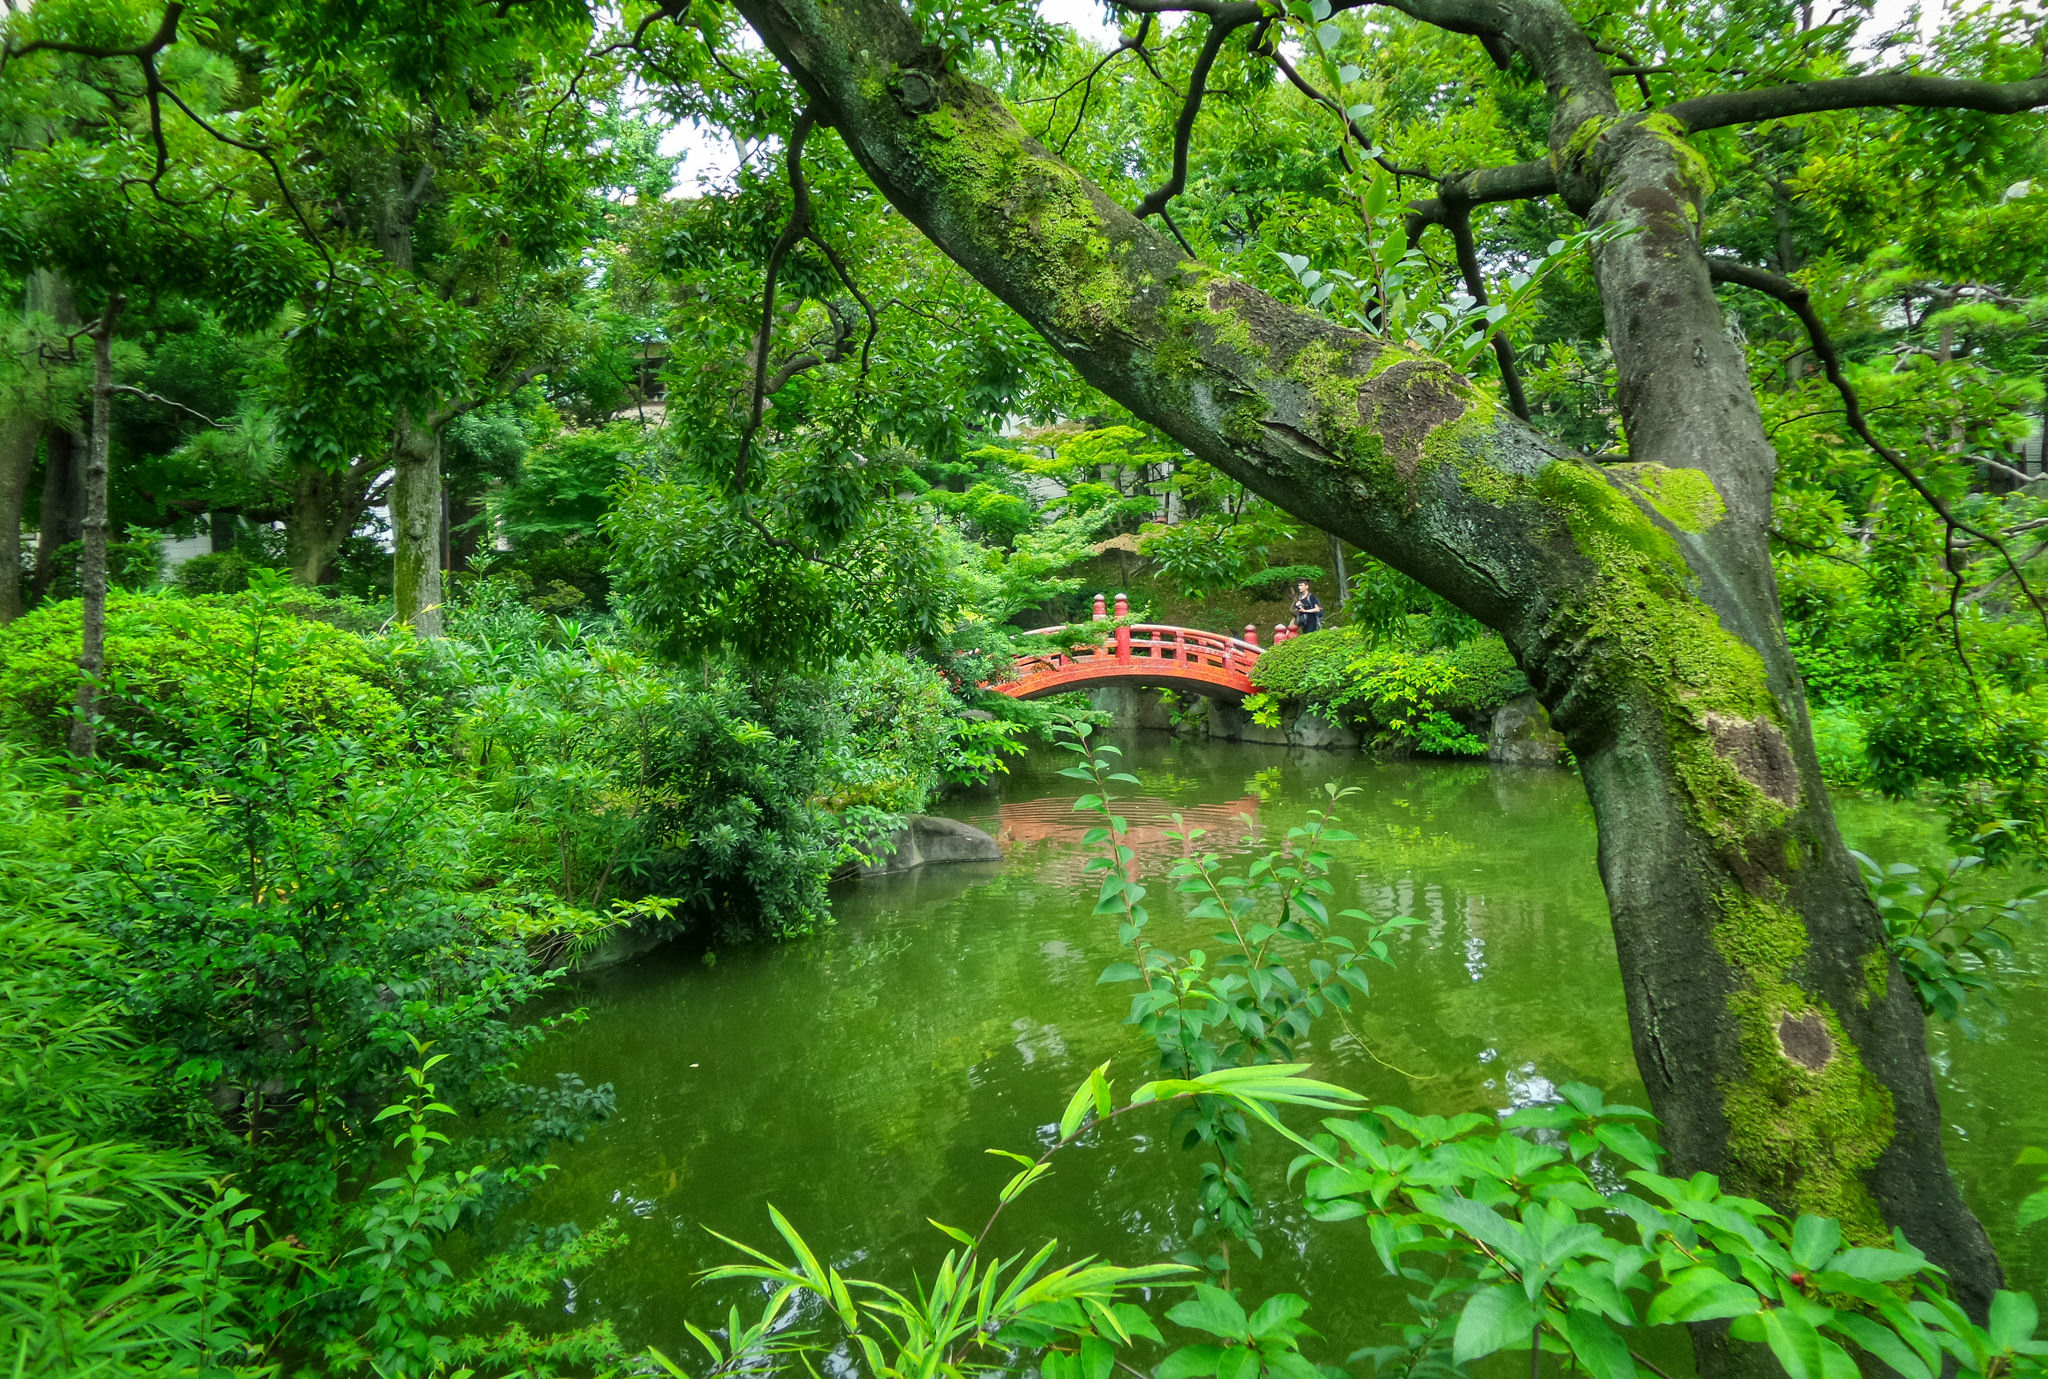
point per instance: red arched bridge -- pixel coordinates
(1183, 658)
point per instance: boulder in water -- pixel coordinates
(927, 839)
(1522, 735)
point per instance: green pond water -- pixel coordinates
(855, 1079)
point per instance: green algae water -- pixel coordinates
(854, 1080)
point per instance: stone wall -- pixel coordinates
(1521, 734)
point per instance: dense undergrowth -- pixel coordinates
(302, 902)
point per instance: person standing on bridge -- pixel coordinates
(1308, 614)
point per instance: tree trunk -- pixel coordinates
(465, 531)
(62, 507)
(325, 506)
(416, 526)
(92, 565)
(19, 438)
(1781, 1046)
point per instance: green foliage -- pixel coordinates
(563, 487)
(977, 1314)
(1283, 964)
(1281, 581)
(1950, 929)
(171, 661)
(707, 572)
(1205, 554)
(1421, 700)
(124, 1253)
(992, 513)
(133, 564)
(1566, 1237)
(217, 572)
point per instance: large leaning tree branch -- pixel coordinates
(1360, 432)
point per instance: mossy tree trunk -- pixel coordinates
(1780, 1045)
(92, 563)
(416, 514)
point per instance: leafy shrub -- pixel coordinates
(1279, 581)
(1487, 677)
(1311, 669)
(1206, 554)
(1425, 700)
(217, 572)
(136, 563)
(1838, 738)
(167, 655)
(545, 572)
(133, 1259)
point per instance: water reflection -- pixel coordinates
(856, 1079)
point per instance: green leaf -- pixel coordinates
(1078, 1104)
(1875, 1266)
(1238, 1362)
(1494, 1319)
(1189, 1362)
(1796, 1344)
(1700, 1294)
(2013, 1318)
(1275, 1312)
(1629, 1142)
(1119, 972)
(1604, 1354)
(2033, 1207)
(962, 1236)
(1882, 1342)
(1814, 1241)
(1211, 1310)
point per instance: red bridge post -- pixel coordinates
(1123, 634)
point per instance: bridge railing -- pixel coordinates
(1146, 644)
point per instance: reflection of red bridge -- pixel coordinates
(1143, 653)
(1025, 822)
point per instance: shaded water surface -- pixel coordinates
(855, 1079)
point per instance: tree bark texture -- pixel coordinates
(416, 525)
(20, 437)
(92, 564)
(1781, 1047)
(62, 506)
(325, 506)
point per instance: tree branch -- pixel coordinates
(166, 34)
(799, 224)
(1460, 193)
(1848, 93)
(1329, 103)
(1475, 283)
(1221, 27)
(132, 391)
(867, 307)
